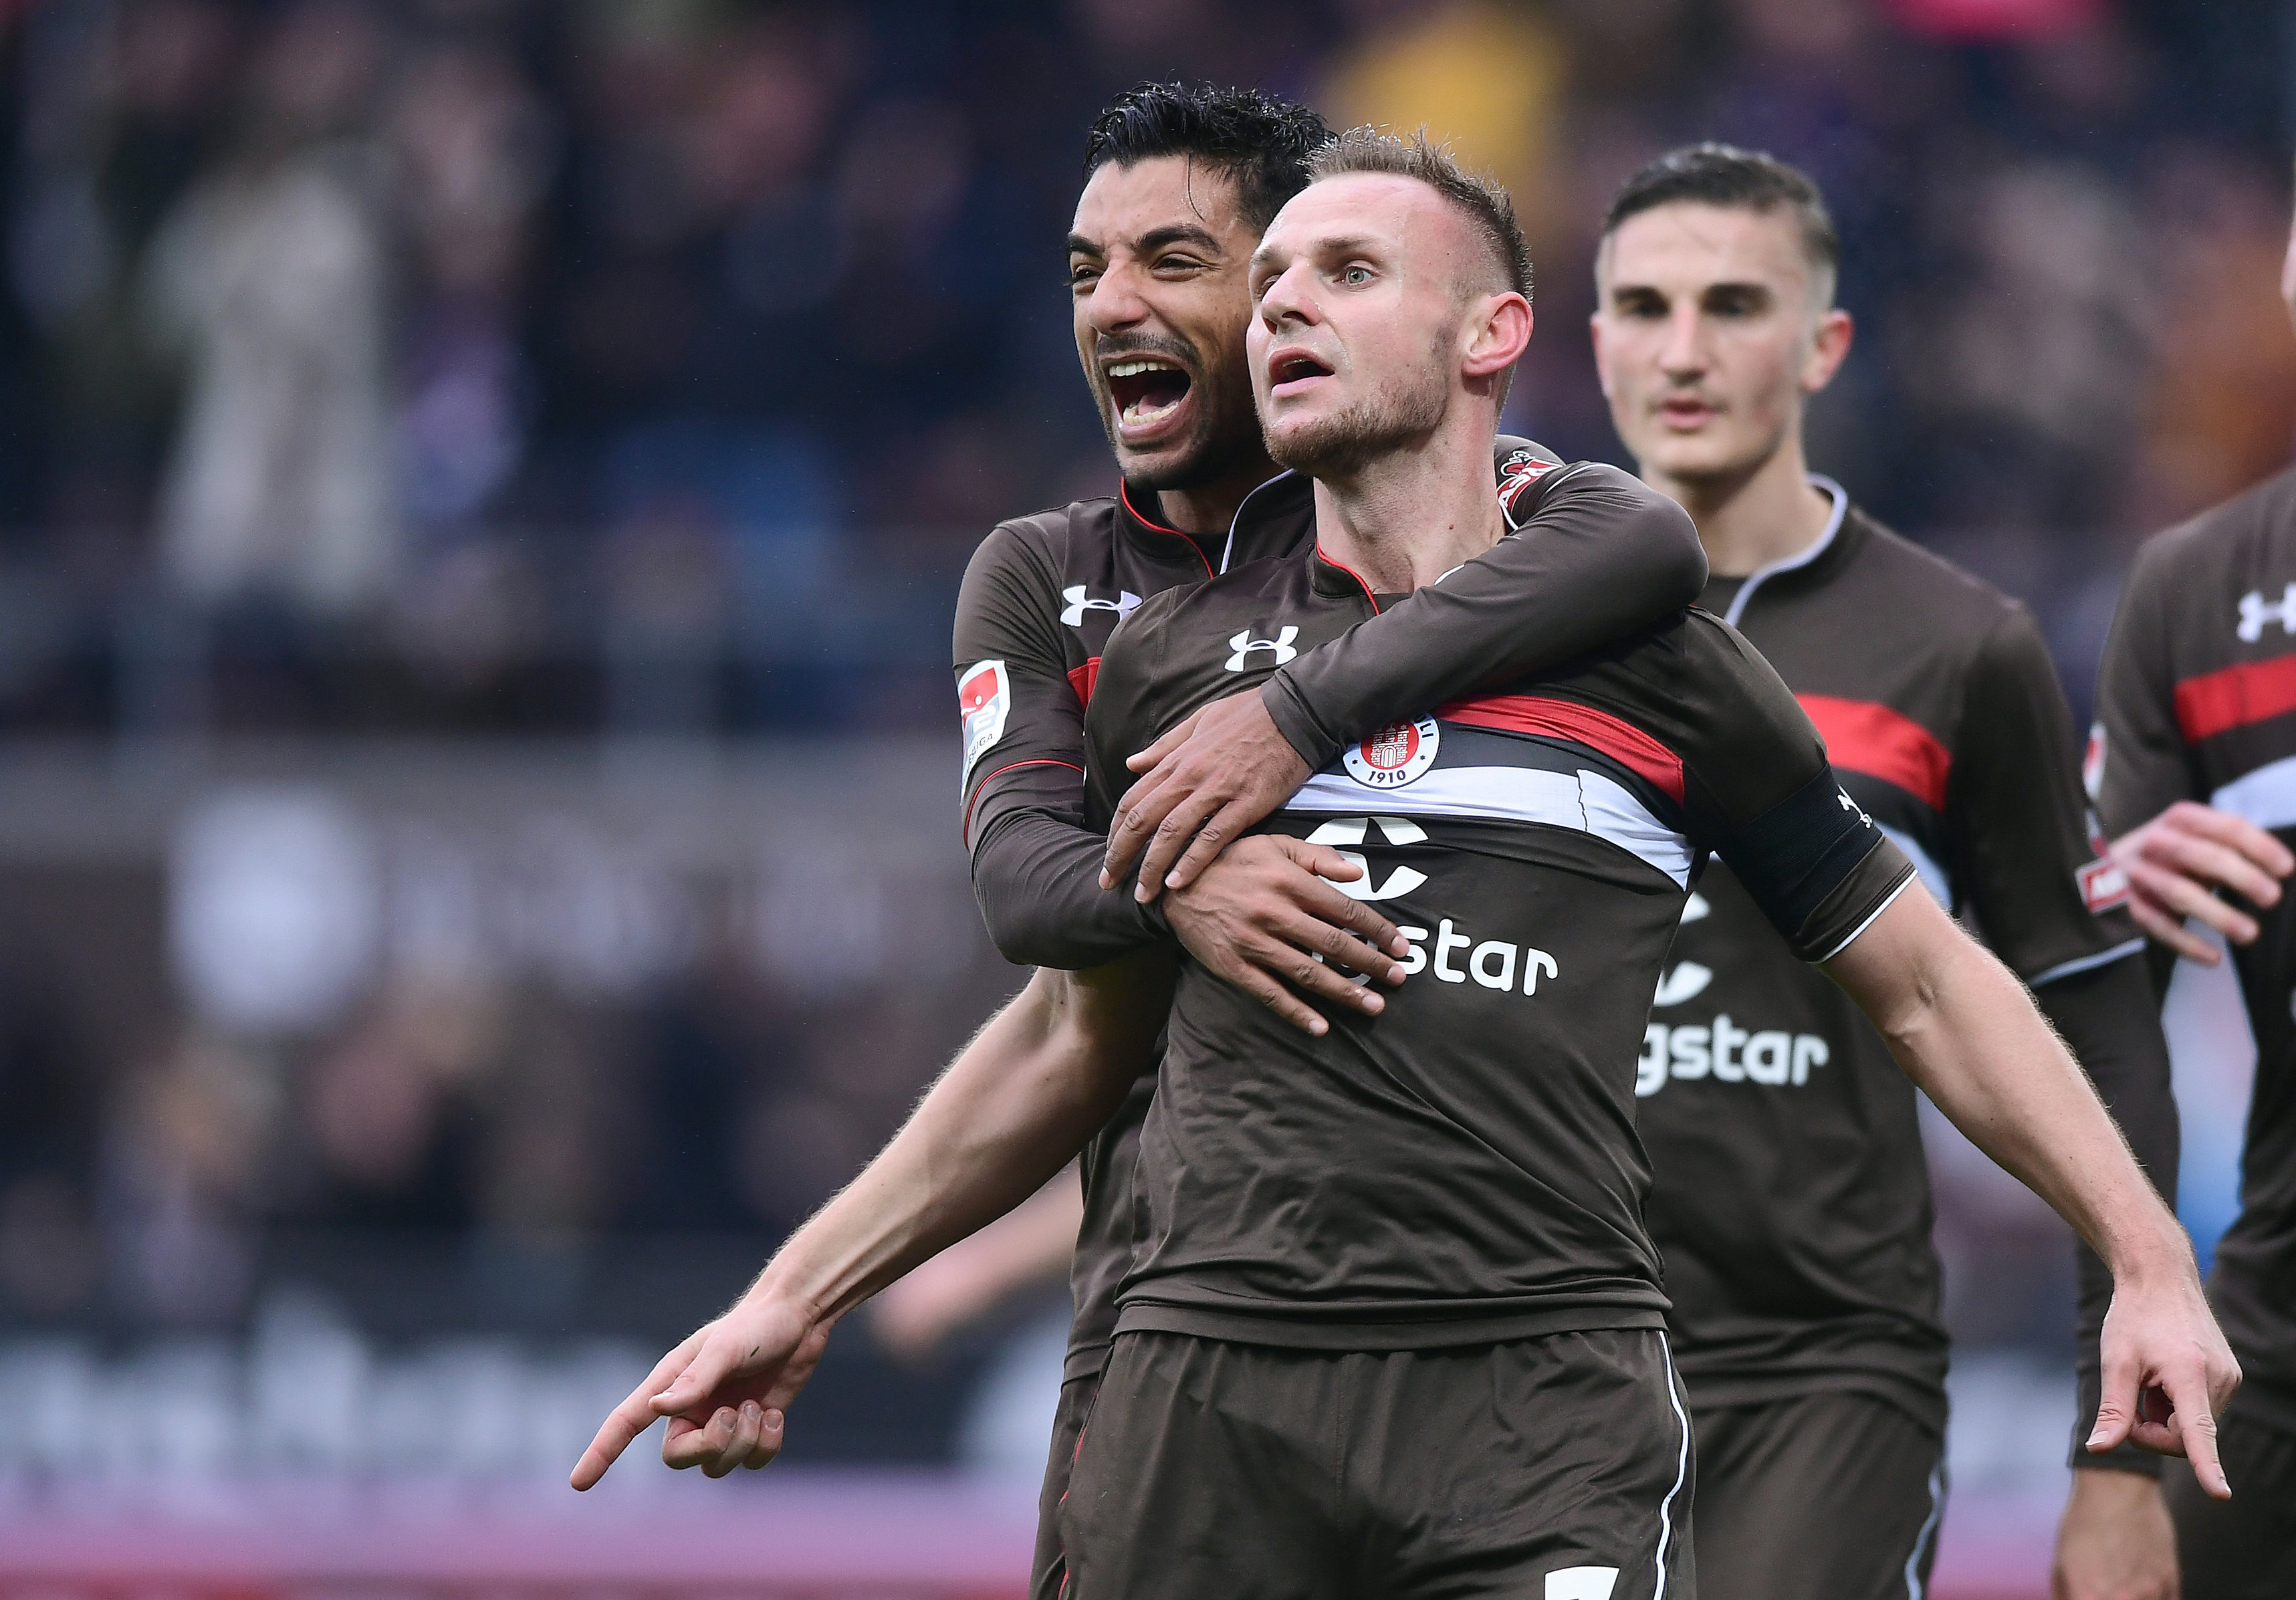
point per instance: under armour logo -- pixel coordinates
(1243, 645)
(2255, 612)
(1077, 605)
(1352, 830)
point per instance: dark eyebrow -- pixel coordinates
(1178, 233)
(1079, 245)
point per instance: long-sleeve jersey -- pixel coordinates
(1792, 1201)
(1464, 1167)
(1591, 554)
(2197, 701)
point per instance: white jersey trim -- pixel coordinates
(1801, 558)
(2265, 797)
(1913, 1586)
(1584, 802)
(1227, 551)
(1868, 922)
(2085, 963)
(1681, 1467)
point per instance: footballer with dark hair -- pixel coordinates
(1180, 182)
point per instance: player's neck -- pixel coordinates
(1771, 514)
(1411, 516)
(1210, 507)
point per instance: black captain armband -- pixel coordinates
(1818, 867)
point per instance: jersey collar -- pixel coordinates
(1155, 540)
(1335, 581)
(1800, 559)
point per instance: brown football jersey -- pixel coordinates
(2197, 701)
(1464, 1167)
(1794, 1208)
(1591, 552)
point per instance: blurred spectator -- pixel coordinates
(183, 1181)
(390, 1122)
(270, 276)
(474, 147)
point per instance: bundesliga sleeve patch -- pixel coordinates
(984, 698)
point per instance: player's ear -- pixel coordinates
(1829, 347)
(1498, 331)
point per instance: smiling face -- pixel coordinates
(1366, 294)
(1157, 259)
(1712, 327)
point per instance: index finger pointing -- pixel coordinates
(635, 1413)
(622, 1425)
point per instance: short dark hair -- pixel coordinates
(1483, 200)
(1261, 143)
(1745, 180)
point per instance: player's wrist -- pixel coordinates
(2152, 1257)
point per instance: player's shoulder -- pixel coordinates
(2230, 538)
(1937, 595)
(1052, 535)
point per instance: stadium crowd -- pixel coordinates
(506, 343)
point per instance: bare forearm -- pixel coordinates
(1012, 1110)
(1969, 1036)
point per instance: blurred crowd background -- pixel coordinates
(482, 487)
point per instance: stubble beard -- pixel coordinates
(1342, 445)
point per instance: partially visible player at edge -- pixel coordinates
(1576, 807)
(2193, 767)
(1180, 182)
(1789, 1197)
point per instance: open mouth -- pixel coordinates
(1146, 390)
(1294, 367)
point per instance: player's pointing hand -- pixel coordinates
(2168, 1374)
(725, 1391)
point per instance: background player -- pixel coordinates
(2196, 703)
(1808, 1324)
(1960, 1022)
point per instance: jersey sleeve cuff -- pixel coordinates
(1904, 877)
(1297, 723)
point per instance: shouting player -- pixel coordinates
(1392, 1322)
(1180, 182)
(1789, 1199)
(2192, 763)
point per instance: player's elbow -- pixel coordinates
(1653, 535)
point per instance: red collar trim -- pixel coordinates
(1124, 493)
(1352, 572)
